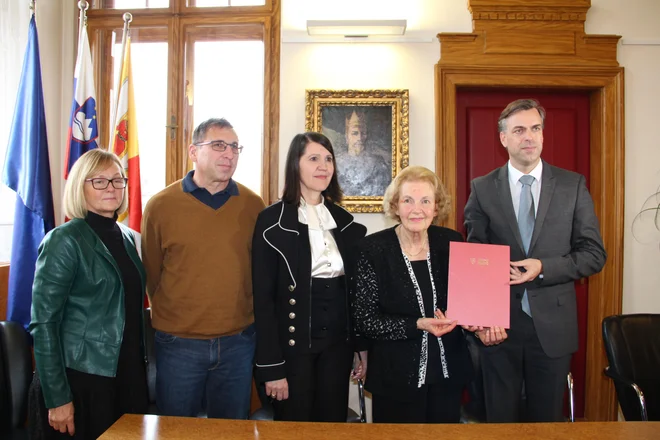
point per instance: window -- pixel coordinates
(129, 4)
(189, 66)
(226, 3)
(240, 104)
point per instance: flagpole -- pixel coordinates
(128, 17)
(33, 8)
(83, 6)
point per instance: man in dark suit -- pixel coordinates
(546, 215)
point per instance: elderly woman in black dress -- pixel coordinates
(418, 359)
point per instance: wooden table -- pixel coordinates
(162, 428)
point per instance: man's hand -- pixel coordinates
(491, 335)
(524, 270)
(473, 328)
(61, 418)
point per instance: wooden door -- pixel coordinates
(566, 145)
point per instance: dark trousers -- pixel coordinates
(94, 402)
(520, 360)
(434, 404)
(318, 386)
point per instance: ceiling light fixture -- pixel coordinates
(356, 28)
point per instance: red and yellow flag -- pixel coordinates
(125, 142)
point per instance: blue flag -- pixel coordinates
(27, 171)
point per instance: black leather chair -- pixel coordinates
(474, 410)
(15, 378)
(632, 345)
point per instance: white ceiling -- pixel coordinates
(425, 17)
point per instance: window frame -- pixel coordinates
(174, 23)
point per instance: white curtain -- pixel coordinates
(14, 21)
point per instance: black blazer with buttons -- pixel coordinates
(281, 282)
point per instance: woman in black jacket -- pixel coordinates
(300, 266)
(418, 359)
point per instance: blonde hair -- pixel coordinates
(88, 165)
(417, 174)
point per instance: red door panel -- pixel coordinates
(566, 145)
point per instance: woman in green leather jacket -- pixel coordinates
(87, 302)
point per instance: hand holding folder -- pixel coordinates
(438, 325)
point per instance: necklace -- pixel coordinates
(425, 336)
(403, 247)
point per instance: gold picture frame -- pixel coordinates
(369, 133)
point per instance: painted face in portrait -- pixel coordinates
(416, 206)
(216, 166)
(523, 139)
(356, 133)
(106, 201)
(316, 170)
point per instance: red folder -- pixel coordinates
(478, 285)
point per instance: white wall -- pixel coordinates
(635, 21)
(367, 66)
(406, 65)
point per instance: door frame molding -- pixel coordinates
(468, 61)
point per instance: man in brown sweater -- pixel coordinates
(196, 246)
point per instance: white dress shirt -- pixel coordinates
(516, 186)
(326, 259)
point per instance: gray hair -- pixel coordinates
(417, 174)
(200, 131)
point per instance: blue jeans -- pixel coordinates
(217, 373)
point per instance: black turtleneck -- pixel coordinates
(131, 375)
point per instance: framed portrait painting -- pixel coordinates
(369, 133)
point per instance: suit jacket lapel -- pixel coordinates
(547, 190)
(504, 191)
